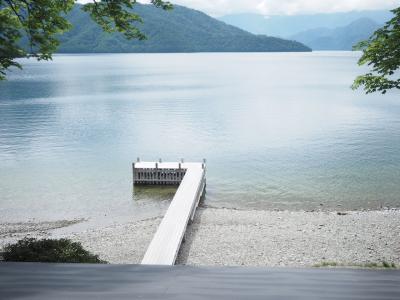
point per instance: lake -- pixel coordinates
(278, 130)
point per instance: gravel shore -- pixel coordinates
(232, 237)
(117, 244)
(227, 237)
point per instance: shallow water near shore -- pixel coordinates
(279, 131)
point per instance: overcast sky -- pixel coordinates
(279, 7)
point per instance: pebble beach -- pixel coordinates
(230, 237)
(226, 237)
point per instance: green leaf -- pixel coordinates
(382, 53)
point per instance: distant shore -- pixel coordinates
(230, 237)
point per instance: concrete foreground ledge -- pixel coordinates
(83, 281)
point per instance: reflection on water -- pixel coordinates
(153, 193)
(278, 131)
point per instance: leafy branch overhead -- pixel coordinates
(115, 16)
(382, 53)
(41, 21)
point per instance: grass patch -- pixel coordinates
(326, 264)
(49, 250)
(372, 265)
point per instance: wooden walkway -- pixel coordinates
(165, 245)
(38, 281)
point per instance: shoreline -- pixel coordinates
(238, 237)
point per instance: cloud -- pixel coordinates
(284, 7)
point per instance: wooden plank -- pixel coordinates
(43, 281)
(165, 245)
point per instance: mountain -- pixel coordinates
(179, 30)
(287, 26)
(340, 38)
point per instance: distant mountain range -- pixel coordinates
(179, 30)
(335, 31)
(340, 38)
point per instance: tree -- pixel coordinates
(41, 21)
(382, 52)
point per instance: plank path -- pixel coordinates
(191, 178)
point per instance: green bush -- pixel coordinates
(49, 250)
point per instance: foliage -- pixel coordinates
(49, 250)
(118, 16)
(382, 52)
(41, 21)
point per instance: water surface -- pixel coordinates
(279, 131)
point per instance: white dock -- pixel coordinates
(165, 245)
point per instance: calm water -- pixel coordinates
(278, 131)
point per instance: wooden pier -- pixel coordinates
(191, 178)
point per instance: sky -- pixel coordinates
(283, 7)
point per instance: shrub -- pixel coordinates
(49, 250)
